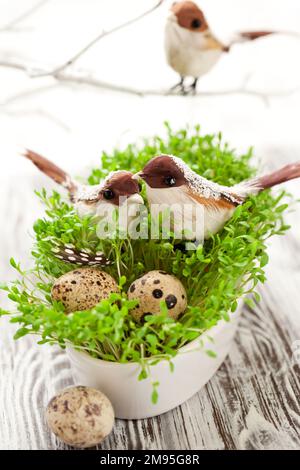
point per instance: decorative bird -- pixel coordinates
(170, 181)
(191, 47)
(118, 187)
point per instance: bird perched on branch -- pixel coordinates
(191, 47)
(170, 181)
(118, 187)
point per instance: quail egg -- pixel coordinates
(151, 289)
(80, 416)
(83, 288)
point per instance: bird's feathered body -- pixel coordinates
(189, 191)
(183, 204)
(189, 53)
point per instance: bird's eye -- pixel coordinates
(195, 24)
(108, 194)
(170, 181)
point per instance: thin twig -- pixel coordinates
(100, 36)
(16, 29)
(11, 24)
(28, 93)
(36, 111)
(14, 65)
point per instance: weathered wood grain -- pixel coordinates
(253, 401)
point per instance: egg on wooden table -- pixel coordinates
(83, 288)
(153, 287)
(80, 416)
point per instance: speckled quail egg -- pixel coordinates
(83, 288)
(151, 289)
(80, 416)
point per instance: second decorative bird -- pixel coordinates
(191, 47)
(170, 181)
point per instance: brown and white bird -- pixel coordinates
(191, 47)
(170, 181)
(117, 188)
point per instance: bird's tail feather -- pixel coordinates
(51, 170)
(258, 184)
(246, 36)
(252, 35)
(287, 173)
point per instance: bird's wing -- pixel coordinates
(69, 254)
(223, 201)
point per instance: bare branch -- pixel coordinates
(100, 36)
(11, 25)
(84, 78)
(80, 79)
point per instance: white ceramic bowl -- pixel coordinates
(131, 398)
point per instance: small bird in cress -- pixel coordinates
(169, 180)
(191, 47)
(117, 187)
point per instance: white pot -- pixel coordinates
(131, 398)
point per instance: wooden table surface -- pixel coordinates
(252, 402)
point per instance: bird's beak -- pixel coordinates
(138, 175)
(172, 17)
(212, 43)
(135, 199)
